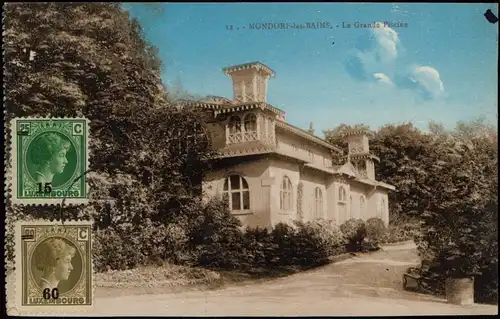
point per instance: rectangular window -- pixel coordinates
(246, 200)
(235, 182)
(235, 197)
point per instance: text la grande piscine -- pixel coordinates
(323, 25)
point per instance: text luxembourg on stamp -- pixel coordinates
(54, 270)
(48, 155)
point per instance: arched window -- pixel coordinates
(318, 203)
(351, 208)
(286, 200)
(237, 193)
(342, 194)
(362, 205)
(342, 205)
(250, 122)
(234, 125)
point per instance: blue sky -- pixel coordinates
(441, 67)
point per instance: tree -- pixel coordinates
(405, 162)
(91, 59)
(448, 179)
(461, 219)
(460, 232)
(177, 93)
(86, 60)
(475, 128)
(436, 128)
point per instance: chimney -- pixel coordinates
(249, 81)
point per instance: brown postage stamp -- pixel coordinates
(53, 267)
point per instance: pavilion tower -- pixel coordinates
(249, 81)
(359, 152)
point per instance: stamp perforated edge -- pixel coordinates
(17, 294)
(12, 181)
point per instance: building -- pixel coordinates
(272, 171)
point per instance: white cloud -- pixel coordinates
(375, 51)
(382, 78)
(429, 80)
(374, 61)
(388, 42)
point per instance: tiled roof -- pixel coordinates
(217, 100)
(307, 135)
(357, 131)
(364, 155)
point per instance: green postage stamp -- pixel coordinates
(53, 267)
(49, 158)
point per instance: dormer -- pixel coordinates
(249, 81)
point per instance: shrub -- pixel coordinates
(400, 230)
(375, 232)
(375, 228)
(283, 236)
(355, 232)
(470, 248)
(176, 244)
(306, 244)
(486, 285)
(317, 240)
(220, 254)
(259, 248)
(108, 251)
(214, 233)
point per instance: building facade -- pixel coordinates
(271, 171)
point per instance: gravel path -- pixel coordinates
(367, 285)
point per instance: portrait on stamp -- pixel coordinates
(50, 157)
(55, 264)
(54, 260)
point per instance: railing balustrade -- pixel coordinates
(241, 137)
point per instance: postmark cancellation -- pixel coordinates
(49, 158)
(53, 267)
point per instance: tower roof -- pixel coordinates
(252, 65)
(357, 132)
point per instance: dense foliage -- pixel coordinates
(375, 232)
(461, 220)
(447, 185)
(355, 232)
(302, 244)
(148, 157)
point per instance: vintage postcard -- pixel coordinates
(54, 271)
(49, 159)
(252, 159)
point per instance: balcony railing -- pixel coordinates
(267, 138)
(241, 137)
